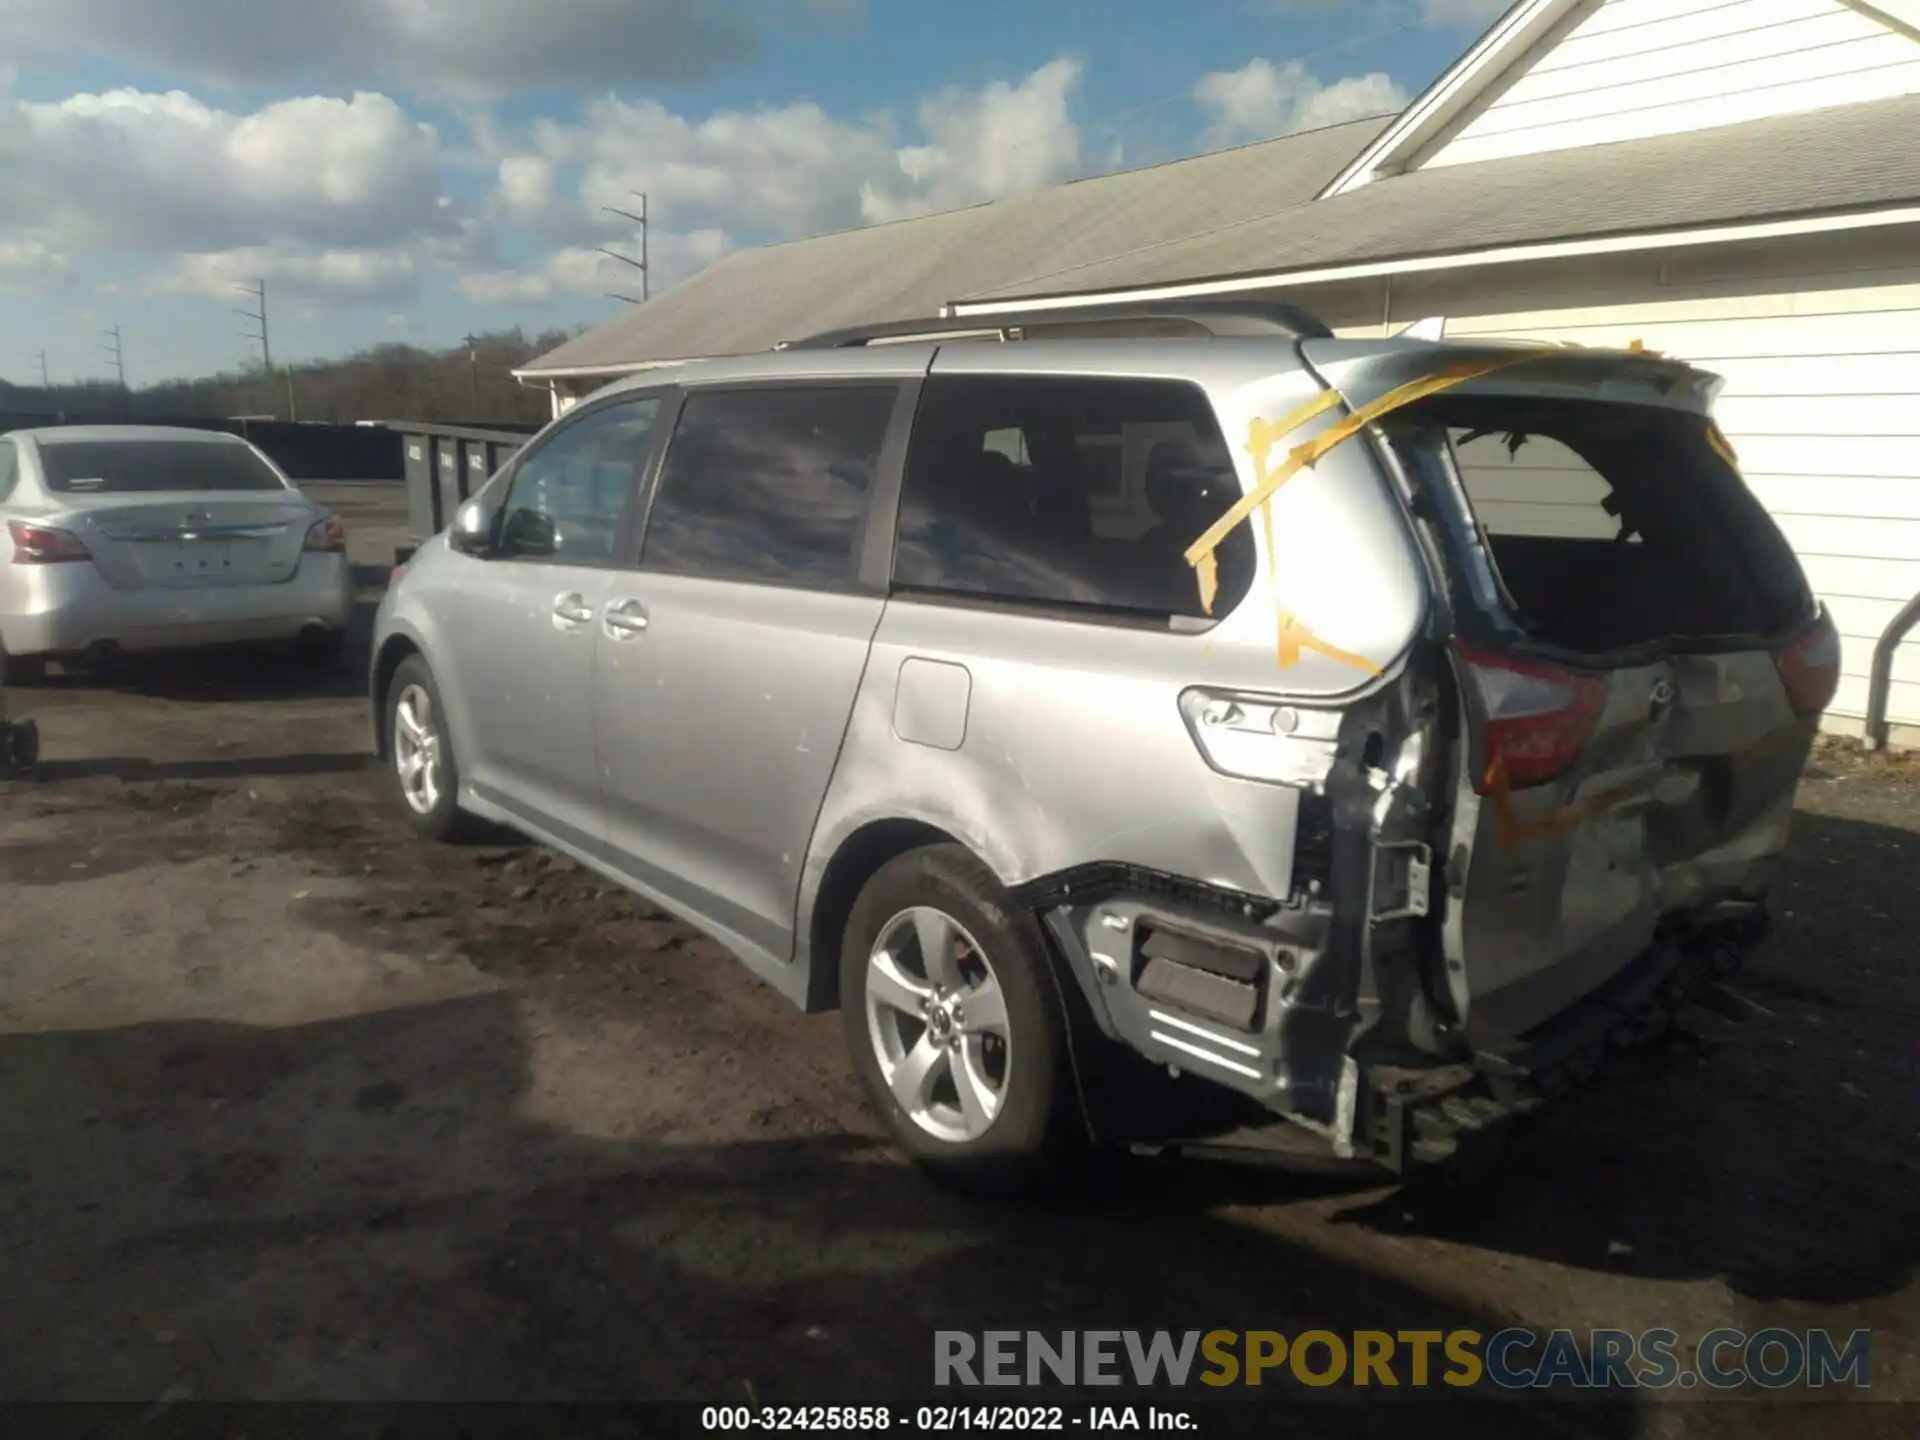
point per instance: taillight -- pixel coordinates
(1533, 719)
(1809, 666)
(44, 545)
(327, 536)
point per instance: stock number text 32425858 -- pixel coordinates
(926, 1419)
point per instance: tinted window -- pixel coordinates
(769, 485)
(122, 467)
(1117, 478)
(9, 470)
(565, 500)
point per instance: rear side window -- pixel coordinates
(153, 467)
(9, 469)
(1068, 492)
(769, 485)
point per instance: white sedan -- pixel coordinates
(122, 538)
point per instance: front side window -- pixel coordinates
(769, 485)
(154, 467)
(1062, 526)
(565, 500)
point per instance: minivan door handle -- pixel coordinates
(570, 610)
(625, 619)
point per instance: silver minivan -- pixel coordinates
(1163, 725)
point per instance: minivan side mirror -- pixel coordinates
(472, 530)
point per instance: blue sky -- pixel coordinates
(415, 169)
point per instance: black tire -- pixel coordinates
(23, 746)
(1038, 1130)
(23, 671)
(445, 821)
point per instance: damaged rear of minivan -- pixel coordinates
(1626, 668)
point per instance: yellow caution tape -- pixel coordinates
(1262, 436)
(1512, 830)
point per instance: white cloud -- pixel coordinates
(296, 272)
(984, 144)
(26, 264)
(468, 46)
(748, 176)
(1261, 100)
(132, 170)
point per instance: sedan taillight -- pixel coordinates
(45, 545)
(327, 536)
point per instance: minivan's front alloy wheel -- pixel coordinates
(416, 749)
(954, 1021)
(422, 752)
(938, 1020)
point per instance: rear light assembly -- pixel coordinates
(1809, 666)
(326, 536)
(45, 545)
(1533, 719)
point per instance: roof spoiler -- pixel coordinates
(1221, 319)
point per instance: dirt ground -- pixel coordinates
(294, 1107)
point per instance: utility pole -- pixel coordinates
(473, 373)
(119, 356)
(293, 411)
(40, 359)
(646, 280)
(259, 317)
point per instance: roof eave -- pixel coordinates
(1673, 237)
(1442, 102)
(537, 371)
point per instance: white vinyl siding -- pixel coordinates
(1822, 403)
(1638, 68)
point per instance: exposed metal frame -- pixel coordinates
(1220, 318)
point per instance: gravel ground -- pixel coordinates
(293, 1107)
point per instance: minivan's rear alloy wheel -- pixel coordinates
(954, 1022)
(938, 1021)
(423, 763)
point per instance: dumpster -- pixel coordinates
(444, 465)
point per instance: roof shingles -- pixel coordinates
(1251, 211)
(754, 299)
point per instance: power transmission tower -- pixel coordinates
(119, 356)
(40, 359)
(646, 281)
(259, 317)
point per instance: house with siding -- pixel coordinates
(1732, 182)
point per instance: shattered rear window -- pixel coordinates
(1612, 525)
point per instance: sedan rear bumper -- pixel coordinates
(68, 609)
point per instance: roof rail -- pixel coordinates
(1220, 318)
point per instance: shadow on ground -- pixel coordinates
(1780, 1157)
(370, 1209)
